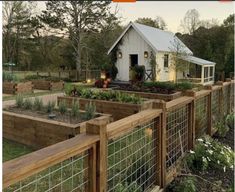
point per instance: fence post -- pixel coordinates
(209, 87)
(99, 127)
(221, 95)
(162, 142)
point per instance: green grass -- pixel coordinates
(12, 150)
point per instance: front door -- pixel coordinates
(132, 64)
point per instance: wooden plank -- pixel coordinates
(30, 164)
(178, 102)
(125, 125)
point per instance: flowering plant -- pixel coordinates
(210, 153)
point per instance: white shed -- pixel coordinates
(138, 42)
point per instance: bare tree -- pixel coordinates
(191, 21)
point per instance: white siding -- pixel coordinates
(132, 43)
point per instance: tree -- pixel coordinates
(16, 28)
(75, 18)
(190, 21)
(178, 52)
(157, 23)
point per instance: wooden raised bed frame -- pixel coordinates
(48, 85)
(38, 132)
(149, 95)
(15, 88)
(116, 109)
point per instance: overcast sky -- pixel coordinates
(172, 12)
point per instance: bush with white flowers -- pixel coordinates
(210, 153)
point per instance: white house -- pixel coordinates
(139, 44)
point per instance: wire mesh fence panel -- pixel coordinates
(132, 159)
(226, 100)
(67, 176)
(215, 108)
(201, 119)
(177, 126)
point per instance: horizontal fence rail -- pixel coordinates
(60, 167)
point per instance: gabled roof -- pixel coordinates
(158, 39)
(197, 60)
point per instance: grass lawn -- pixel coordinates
(12, 150)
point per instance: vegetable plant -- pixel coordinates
(19, 101)
(75, 109)
(38, 104)
(50, 106)
(90, 110)
(28, 104)
(62, 107)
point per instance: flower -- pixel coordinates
(218, 161)
(204, 159)
(200, 140)
(231, 167)
(224, 169)
(208, 143)
(208, 159)
(192, 152)
(210, 151)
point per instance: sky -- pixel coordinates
(171, 11)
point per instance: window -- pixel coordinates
(166, 60)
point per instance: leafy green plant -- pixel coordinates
(109, 96)
(50, 106)
(221, 128)
(183, 86)
(210, 153)
(186, 185)
(90, 110)
(19, 101)
(37, 104)
(62, 107)
(229, 120)
(132, 187)
(28, 104)
(75, 109)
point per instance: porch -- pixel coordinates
(200, 71)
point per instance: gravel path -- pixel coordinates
(45, 99)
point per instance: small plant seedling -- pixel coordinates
(75, 109)
(28, 104)
(62, 107)
(90, 110)
(38, 104)
(19, 101)
(50, 106)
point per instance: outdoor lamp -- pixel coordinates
(88, 80)
(119, 54)
(103, 76)
(146, 54)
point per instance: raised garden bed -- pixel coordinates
(118, 110)
(48, 85)
(35, 129)
(165, 97)
(16, 88)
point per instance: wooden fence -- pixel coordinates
(138, 152)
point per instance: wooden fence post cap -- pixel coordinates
(208, 87)
(98, 125)
(228, 79)
(219, 83)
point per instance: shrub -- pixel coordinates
(38, 104)
(186, 185)
(28, 104)
(210, 153)
(183, 86)
(222, 128)
(230, 120)
(62, 107)
(75, 109)
(50, 106)
(90, 110)
(9, 77)
(32, 77)
(139, 72)
(19, 101)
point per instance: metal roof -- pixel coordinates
(158, 39)
(197, 60)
